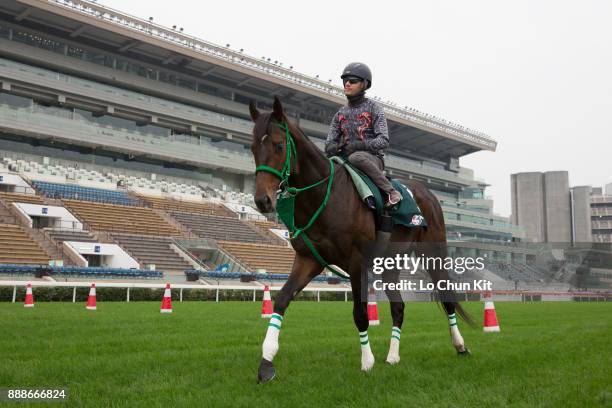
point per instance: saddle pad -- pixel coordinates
(407, 213)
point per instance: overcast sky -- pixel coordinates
(534, 75)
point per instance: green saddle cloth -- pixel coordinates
(407, 213)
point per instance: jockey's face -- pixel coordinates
(352, 86)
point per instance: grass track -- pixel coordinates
(206, 354)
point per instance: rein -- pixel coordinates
(285, 206)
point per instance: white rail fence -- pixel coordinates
(520, 296)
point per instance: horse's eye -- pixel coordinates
(278, 147)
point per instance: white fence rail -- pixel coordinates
(180, 287)
(499, 295)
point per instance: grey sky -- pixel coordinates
(535, 75)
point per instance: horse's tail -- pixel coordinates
(448, 296)
(464, 315)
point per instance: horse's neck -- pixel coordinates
(312, 164)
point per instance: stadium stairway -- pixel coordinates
(272, 258)
(153, 250)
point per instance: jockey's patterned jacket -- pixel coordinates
(365, 121)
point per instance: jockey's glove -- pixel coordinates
(331, 149)
(354, 146)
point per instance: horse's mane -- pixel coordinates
(261, 127)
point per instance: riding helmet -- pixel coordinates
(359, 70)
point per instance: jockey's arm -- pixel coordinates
(332, 143)
(380, 141)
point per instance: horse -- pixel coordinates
(336, 232)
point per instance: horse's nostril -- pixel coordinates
(263, 203)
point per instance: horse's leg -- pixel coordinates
(456, 337)
(360, 313)
(397, 314)
(448, 300)
(302, 272)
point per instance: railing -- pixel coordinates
(509, 295)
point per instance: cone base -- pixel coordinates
(490, 329)
(165, 311)
(374, 322)
(91, 308)
(28, 305)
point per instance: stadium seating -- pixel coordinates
(76, 271)
(220, 228)
(121, 218)
(265, 227)
(188, 206)
(61, 235)
(75, 192)
(272, 258)
(153, 250)
(16, 247)
(21, 198)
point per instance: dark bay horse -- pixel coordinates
(339, 232)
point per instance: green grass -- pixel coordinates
(207, 354)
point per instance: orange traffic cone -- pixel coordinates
(266, 306)
(91, 300)
(372, 308)
(166, 306)
(490, 316)
(29, 299)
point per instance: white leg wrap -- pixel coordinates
(393, 357)
(270, 344)
(367, 358)
(456, 337)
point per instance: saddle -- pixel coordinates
(406, 213)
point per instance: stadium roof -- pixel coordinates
(78, 19)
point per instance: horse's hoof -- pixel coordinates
(392, 360)
(464, 353)
(266, 371)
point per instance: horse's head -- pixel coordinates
(269, 148)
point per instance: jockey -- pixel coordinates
(359, 130)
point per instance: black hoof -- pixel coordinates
(266, 371)
(465, 353)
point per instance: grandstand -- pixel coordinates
(142, 133)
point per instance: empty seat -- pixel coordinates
(221, 228)
(272, 258)
(121, 218)
(16, 247)
(153, 250)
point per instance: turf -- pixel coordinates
(206, 354)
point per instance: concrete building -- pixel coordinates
(581, 214)
(601, 214)
(541, 205)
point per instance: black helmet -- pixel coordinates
(359, 70)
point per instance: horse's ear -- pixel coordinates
(253, 110)
(277, 110)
